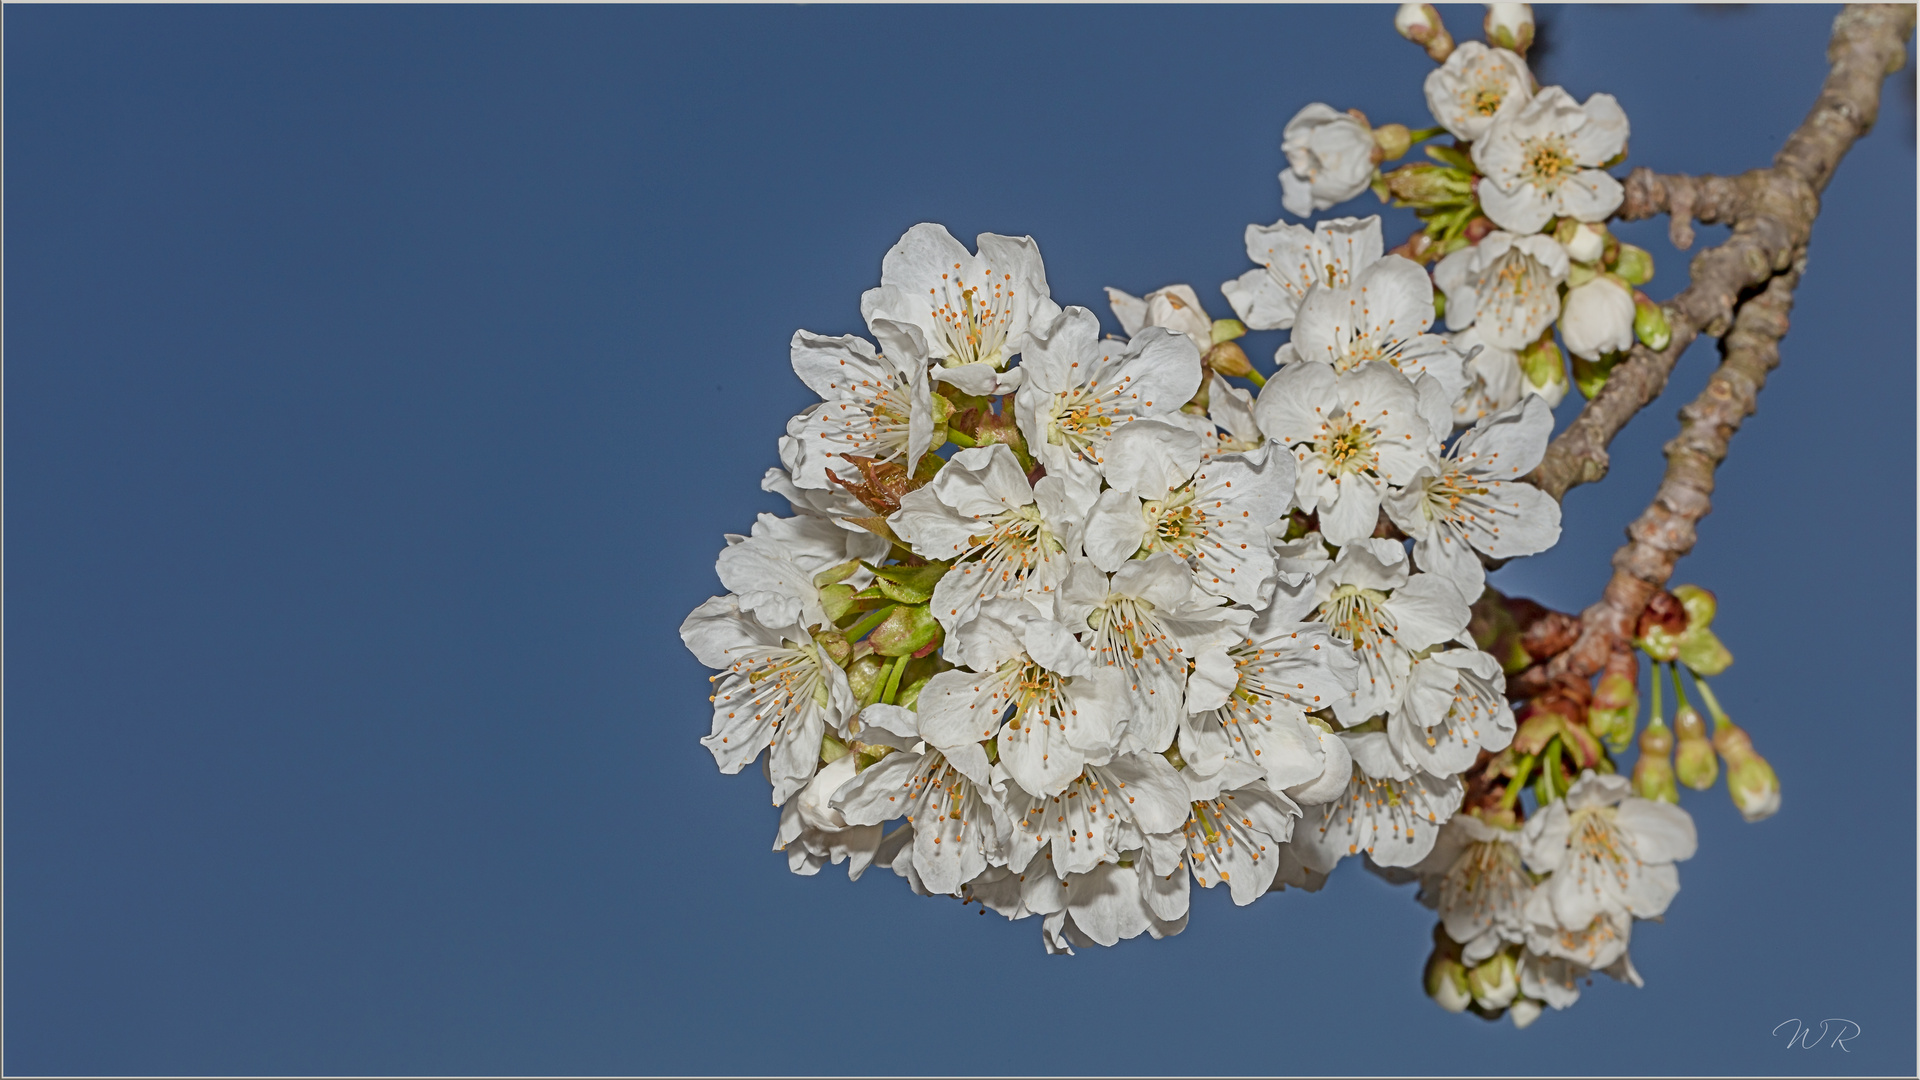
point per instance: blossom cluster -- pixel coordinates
(1065, 625)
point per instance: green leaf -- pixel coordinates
(1703, 653)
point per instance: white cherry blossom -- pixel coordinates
(1370, 601)
(1477, 83)
(1382, 316)
(1214, 517)
(1235, 832)
(1394, 819)
(1130, 808)
(813, 833)
(1556, 981)
(1507, 285)
(1353, 435)
(1112, 903)
(1475, 877)
(975, 312)
(1453, 706)
(873, 405)
(1284, 670)
(1052, 710)
(772, 570)
(1080, 389)
(1329, 159)
(777, 689)
(1006, 537)
(1176, 307)
(1153, 624)
(1472, 499)
(1610, 852)
(1293, 259)
(958, 825)
(1543, 160)
(1494, 381)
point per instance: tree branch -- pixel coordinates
(1772, 211)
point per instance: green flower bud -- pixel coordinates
(1446, 980)
(1750, 780)
(1694, 761)
(1421, 184)
(1699, 604)
(1228, 358)
(908, 629)
(1650, 323)
(1633, 265)
(834, 644)
(1544, 367)
(1394, 140)
(1653, 772)
(865, 675)
(1591, 375)
(1420, 24)
(1616, 701)
(1510, 26)
(1495, 982)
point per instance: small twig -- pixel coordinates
(1772, 212)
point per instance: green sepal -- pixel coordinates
(1228, 330)
(838, 600)
(1703, 653)
(908, 584)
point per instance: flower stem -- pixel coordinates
(893, 680)
(1254, 374)
(1713, 704)
(872, 619)
(960, 439)
(1423, 134)
(1679, 695)
(1517, 784)
(1658, 716)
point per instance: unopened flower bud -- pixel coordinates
(908, 630)
(1616, 701)
(1394, 140)
(1591, 375)
(1228, 358)
(866, 676)
(1699, 604)
(1650, 323)
(1750, 780)
(1597, 318)
(834, 643)
(1424, 184)
(1509, 26)
(1494, 982)
(1477, 229)
(1420, 24)
(1447, 982)
(1694, 761)
(1545, 370)
(1524, 1011)
(1653, 772)
(1585, 243)
(1633, 265)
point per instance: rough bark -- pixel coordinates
(1740, 291)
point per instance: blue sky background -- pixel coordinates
(380, 382)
